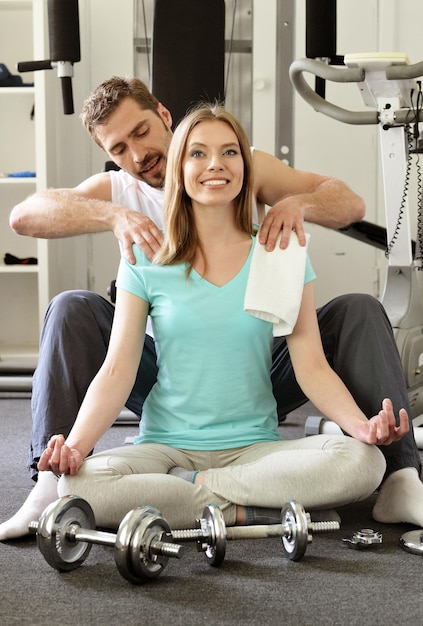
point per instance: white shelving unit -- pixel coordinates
(19, 284)
(59, 150)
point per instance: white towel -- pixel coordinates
(275, 284)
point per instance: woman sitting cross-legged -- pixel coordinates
(209, 432)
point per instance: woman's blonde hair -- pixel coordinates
(181, 238)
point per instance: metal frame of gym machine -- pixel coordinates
(392, 96)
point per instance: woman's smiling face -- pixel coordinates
(213, 165)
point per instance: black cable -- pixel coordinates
(404, 194)
(419, 246)
(416, 110)
(412, 141)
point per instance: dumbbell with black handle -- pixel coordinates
(294, 530)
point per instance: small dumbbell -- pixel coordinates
(412, 541)
(294, 530)
(66, 531)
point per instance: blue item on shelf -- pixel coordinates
(21, 175)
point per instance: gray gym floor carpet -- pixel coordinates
(255, 585)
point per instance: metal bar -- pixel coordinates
(75, 533)
(239, 46)
(284, 126)
(15, 383)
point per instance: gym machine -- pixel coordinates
(388, 88)
(64, 41)
(144, 541)
(393, 99)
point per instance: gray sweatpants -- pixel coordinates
(323, 471)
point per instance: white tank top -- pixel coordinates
(137, 195)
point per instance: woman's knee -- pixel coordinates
(92, 477)
(368, 466)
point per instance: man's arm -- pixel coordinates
(85, 209)
(66, 212)
(296, 196)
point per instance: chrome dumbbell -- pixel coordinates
(412, 541)
(294, 530)
(66, 531)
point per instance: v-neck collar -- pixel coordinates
(237, 276)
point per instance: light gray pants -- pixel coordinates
(324, 471)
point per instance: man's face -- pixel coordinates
(137, 140)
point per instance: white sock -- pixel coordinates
(44, 492)
(400, 498)
(186, 474)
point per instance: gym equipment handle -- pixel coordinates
(347, 75)
(33, 66)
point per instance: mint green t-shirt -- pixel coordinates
(213, 388)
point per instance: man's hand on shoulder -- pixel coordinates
(284, 217)
(131, 227)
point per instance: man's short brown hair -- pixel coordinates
(107, 96)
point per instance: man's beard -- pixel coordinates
(157, 179)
